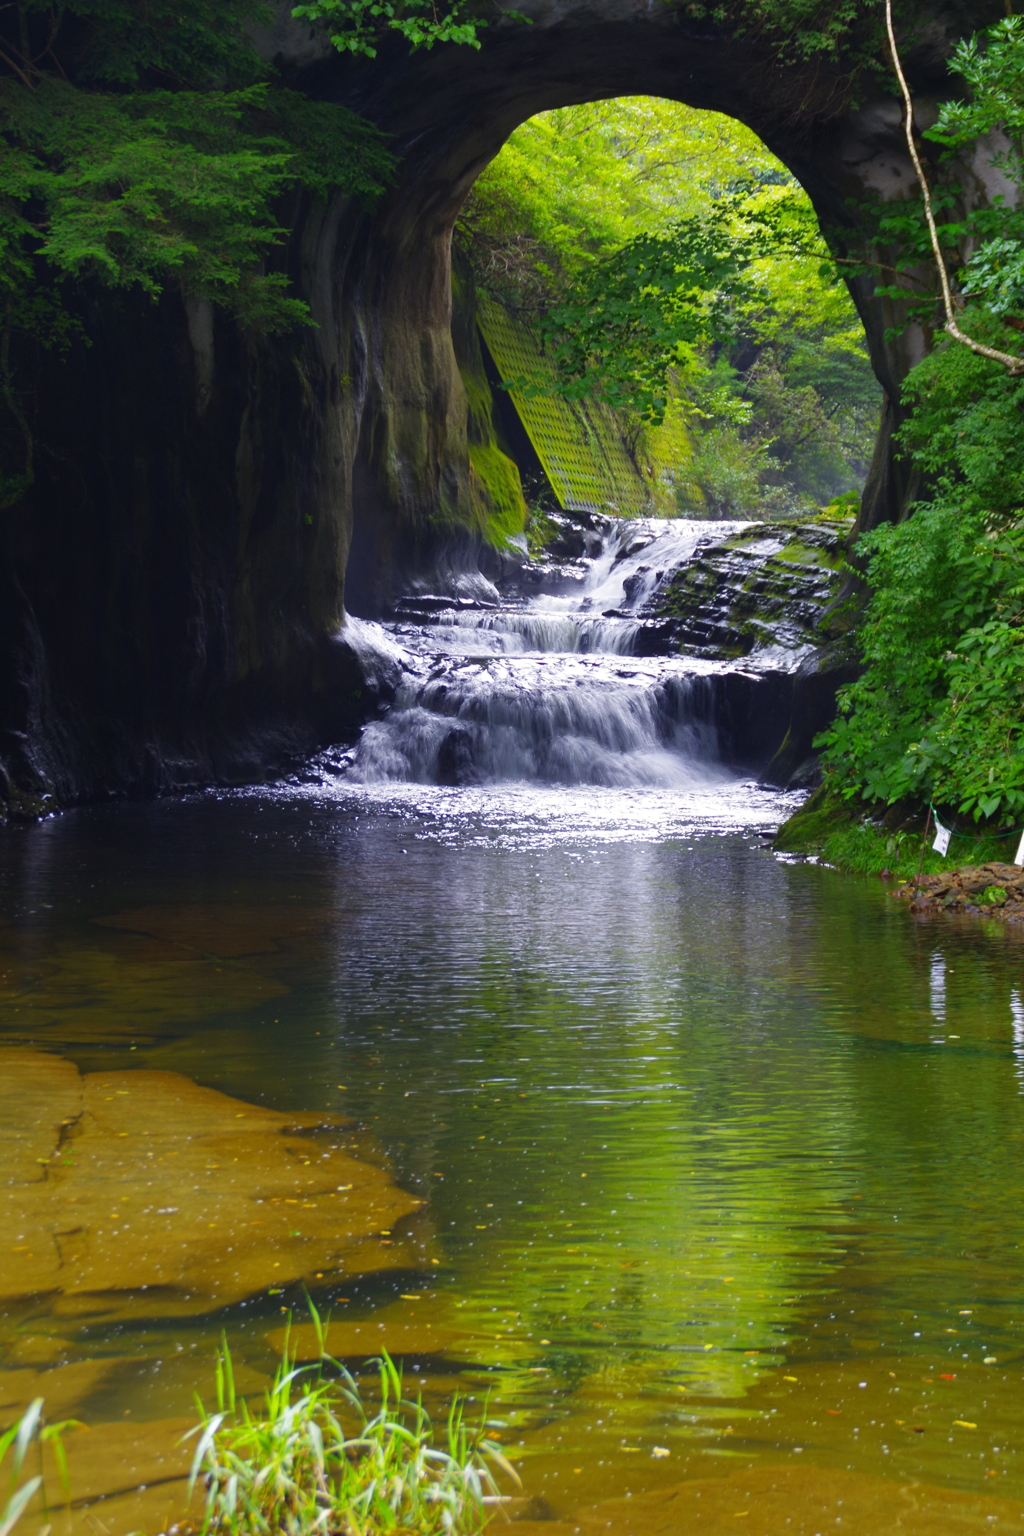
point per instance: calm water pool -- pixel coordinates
(723, 1156)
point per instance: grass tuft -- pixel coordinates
(310, 1459)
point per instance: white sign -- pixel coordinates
(1020, 852)
(942, 837)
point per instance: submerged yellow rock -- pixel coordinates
(143, 1192)
(425, 1327)
(802, 1500)
(141, 972)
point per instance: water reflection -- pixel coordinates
(1017, 1016)
(937, 988)
(702, 1174)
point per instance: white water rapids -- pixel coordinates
(548, 689)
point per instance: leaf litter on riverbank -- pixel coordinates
(993, 890)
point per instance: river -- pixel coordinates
(719, 1153)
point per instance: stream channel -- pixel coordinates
(716, 1156)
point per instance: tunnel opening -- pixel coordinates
(699, 531)
(768, 408)
(271, 489)
(751, 392)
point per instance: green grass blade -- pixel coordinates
(15, 1506)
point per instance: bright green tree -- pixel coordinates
(939, 710)
(668, 261)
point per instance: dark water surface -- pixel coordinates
(724, 1156)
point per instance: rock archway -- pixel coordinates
(172, 594)
(450, 113)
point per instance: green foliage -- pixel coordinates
(670, 263)
(993, 67)
(139, 148)
(311, 1458)
(982, 245)
(633, 316)
(150, 187)
(799, 29)
(940, 708)
(845, 834)
(965, 425)
(575, 185)
(356, 25)
(939, 711)
(27, 1432)
(122, 43)
(144, 187)
(866, 847)
(115, 205)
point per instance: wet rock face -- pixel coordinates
(767, 590)
(207, 507)
(768, 597)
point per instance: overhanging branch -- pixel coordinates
(1011, 363)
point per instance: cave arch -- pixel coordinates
(172, 591)
(450, 112)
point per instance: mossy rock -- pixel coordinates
(823, 814)
(799, 553)
(766, 586)
(507, 511)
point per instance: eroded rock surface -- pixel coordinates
(767, 591)
(768, 598)
(142, 1193)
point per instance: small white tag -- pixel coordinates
(942, 837)
(1020, 852)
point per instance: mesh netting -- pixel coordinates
(580, 447)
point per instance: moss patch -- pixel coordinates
(802, 554)
(491, 503)
(769, 585)
(507, 511)
(847, 834)
(819, 817)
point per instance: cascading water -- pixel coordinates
(539, 688)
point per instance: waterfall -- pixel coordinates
(548, 687)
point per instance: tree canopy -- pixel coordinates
(144, 143)
(669, 263)
(938, 712)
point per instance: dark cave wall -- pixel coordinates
(174, 587)
(172, 582)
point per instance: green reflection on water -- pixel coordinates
(723, 1154)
